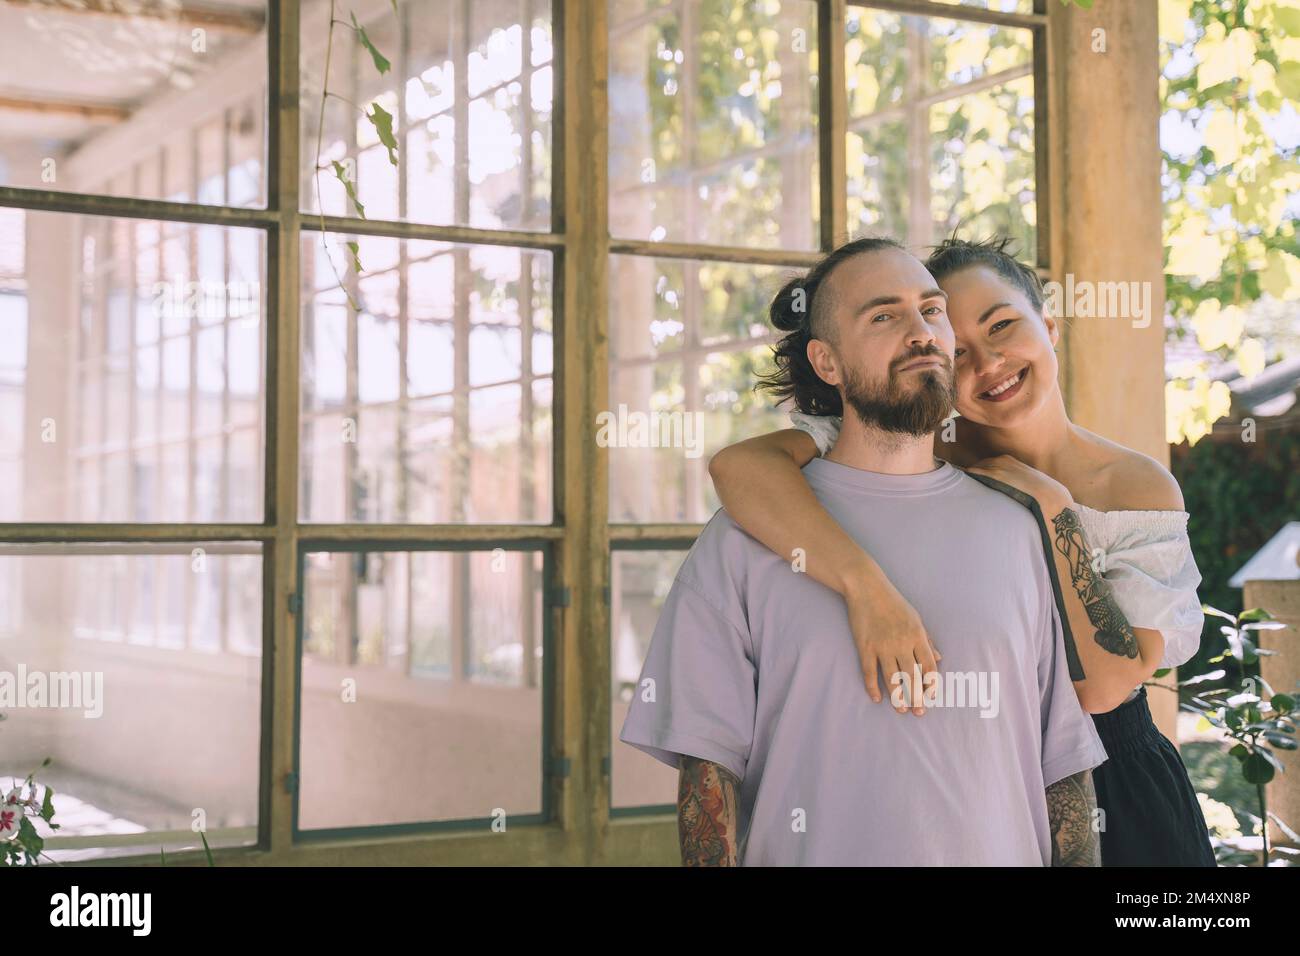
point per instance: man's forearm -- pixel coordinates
(1070, 805)
(706, 813)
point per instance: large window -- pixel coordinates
(307, 332)
(723, 183)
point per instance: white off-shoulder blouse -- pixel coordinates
(1145, 556)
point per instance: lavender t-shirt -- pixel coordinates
(752, 665)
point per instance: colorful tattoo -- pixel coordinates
(706, 813)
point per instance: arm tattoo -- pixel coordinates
(706, 813)
(1070, 803)
(1113, 631)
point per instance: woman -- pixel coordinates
(1115, 518)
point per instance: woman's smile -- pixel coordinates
(1007, 388)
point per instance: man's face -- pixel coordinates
(892, 350)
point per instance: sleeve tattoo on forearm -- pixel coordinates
(706, 813)
(1113, 631)
(1070, 803)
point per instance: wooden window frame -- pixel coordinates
(578, 827)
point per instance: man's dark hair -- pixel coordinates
(953, 255)
(799, 310)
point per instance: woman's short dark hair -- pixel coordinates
(803, 314)
(953, 255)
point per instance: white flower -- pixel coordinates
(11, 815)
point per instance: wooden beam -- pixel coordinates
(951, 11)
(101, 113)
(1107, 224)
(129, 207)
(231, 19)
(278, 781)
(832, 129)
(580, 728)
(685, 250)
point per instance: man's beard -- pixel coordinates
(892, 409)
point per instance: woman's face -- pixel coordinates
(1004, 365)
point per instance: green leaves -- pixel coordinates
(382, 121)
(1254, 614)
(1256, 769)
(341, 175)
(29, 838)
(1228, 230)
(47, 807)
(381, 63)
(1251, 716)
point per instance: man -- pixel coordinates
(752, 688)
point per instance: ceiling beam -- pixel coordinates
(88, 111)
(231, 19)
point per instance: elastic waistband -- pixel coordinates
(1128, 727)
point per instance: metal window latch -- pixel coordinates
(295, 603)
(561, 597)
(291, 782)
(560, 766)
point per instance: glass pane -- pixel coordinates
(713, 123)
(131, 385)
(640, 584)
(425, 406)
(1000, 6)
(688, 341)
(128, 99)
(422, 681)
(136, 669)
(941, 129)
(469, 91)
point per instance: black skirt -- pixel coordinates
(1152, 817)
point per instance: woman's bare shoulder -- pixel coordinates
(1129, 480)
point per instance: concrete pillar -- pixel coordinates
(1106, 224)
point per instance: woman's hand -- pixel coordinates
(1052, 496)
(890, 638)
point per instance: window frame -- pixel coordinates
(576, 826)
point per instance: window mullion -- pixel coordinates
(280, 566)
(832, 123)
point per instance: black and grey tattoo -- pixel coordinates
(1113, 632)
(1070, 806)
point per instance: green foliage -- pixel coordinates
(379, 118)
(1232, 74)
(1238, 495)
(1250, 716)
(382, 120)
(27, 847)
(341, 174)
(381, 62)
